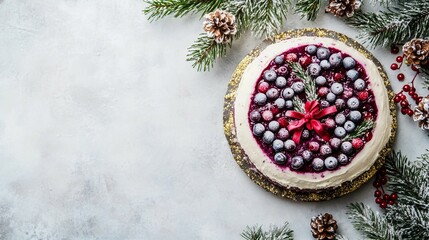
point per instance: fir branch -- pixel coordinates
(204, 52)
(409, 221)
(298, 105)
(371, 224)
(158, 9)
(399, 23)
(309, 83)
(274, 233)
(360, 130)
(308, 8)
(425, 75)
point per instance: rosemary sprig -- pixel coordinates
(309, 83)
(360, 130)
(298, 105)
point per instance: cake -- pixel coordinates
(311, 113)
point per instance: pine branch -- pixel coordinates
(410, 222)
(360, 130)
(425, 75)
(309, 83)
(274, 233)
(371, 224)
(204, 52)
(298, 105)
(399, 23)
(158, 9)
(308, 8)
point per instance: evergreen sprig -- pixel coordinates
(298, 104)
(309, 83)
(360, 130)
(204, 52)
(308, 8)
(274, 233)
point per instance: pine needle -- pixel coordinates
(308, 8)
(204, 52)
(274, 233)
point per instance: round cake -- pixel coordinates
(311, 113)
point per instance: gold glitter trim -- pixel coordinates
(242, 159)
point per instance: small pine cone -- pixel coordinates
(416, 52)
(341, 8)
(323, 227)
(421, 113)
(220, 25)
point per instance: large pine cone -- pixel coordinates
(323, 227)
(341, 8)
(421, 113)
(416, 52)
(220, 25)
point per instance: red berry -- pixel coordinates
(363, 96)
(383, 205)
(410, 112)
(377, 193)
(383, 180)
(396, 99)
(404, 103)
(406, 88)
(415, 96)
(330, 123)
(394, 66)
(367, 115)
(323, 91)
(313, 146)
(404, 111)
(291, 57)
(282, 122)
(357, 143)
(348, 93)
(391, 202)
(263, 87)
(368, 136)
(386, 197)
(378, 200)
(338, 77)
(274, 109)
(414, 68)
(394, 49)
(376, 184)
(401, 77)
(399, 59)
(420, 99)
(382, 171)
(267, 115)
(394, 196)
(305, 61)
(411, 92)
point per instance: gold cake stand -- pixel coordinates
(242, 159)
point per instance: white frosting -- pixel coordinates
(359, 164)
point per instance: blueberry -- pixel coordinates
(268, 137)
(340, 104)
(280, 158)
(359, 84)
(349, 126)
(340, 119)
(283, 134)
(311, 49)
(297, 162)
(331, 97)
(298, 87)
(260, 99)
(307, 155)
(335, 59)
(324, 64)
(355, 116)
(280, 103)
(305, 134)
(274, 126)
(255, 116)
(323, 53)
(320, 80)
(349, 63)
(324, 103)
(347, 147)
(270, 75)
(353, 103)
(289, 104)
(352, 74)
(318, 164)
(340, 132)
(314, 69)
(279, 60)
(278, 145)
(290, 145)
(337, 88)
(281, 82)
(258, 129)
(288, 93)
(335, 143)
(343, 159)
(325, 150)
(272, 93)
(331, 163)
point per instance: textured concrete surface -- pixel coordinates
(106, 132)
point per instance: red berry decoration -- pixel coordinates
(381, 197)
(357, 143)
(383, 205)
(414, 68)
(386, 197)
(338, 77)
(263, 87)
(401, 77)
(410, 112)
(391, 202)
(363, 96)
(378, 200)
(394, 196)
(305, 61)
(399, 59)
(282, 122)
(404, 111)
(396, 99)
(376, 184)
(406, 88)
(403, 97)
(291, 57)
(377, 193)
(394, 49)
(323, 91)
(394, 66)
(404, 103)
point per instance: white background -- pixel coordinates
(106, 132)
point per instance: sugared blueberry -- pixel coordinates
(340, 104)
(282, 70)
(297, 162)
(280, 158)
(289, 104)
(314, 69)
(290, 145)
(280, 103)
(352, 74)
(335, 143)
(272, 93)
(343, 159)
(255, 116)
(346, 147)
(305, 134)
(320, 80)
(337, 88)
(340, 132)
(258, 129)
(323, 91)
(267, 115)
(274, 126)
(325, 150)
(307, 155)
(335, 59)
(268, 137)
(298, 87)
(324, 64)
(279, 60)
(318, 164)
(311, 49)
(340, 119)
(355, 116)
(359, 84)
(349, 63)
(323, 53)
(313, 146)
(330, 97)
(260, 99)
(331, 163)
(324, 103)
(278, 145)
(353, 103)
(288, 93)
(349, 126)
(330, 123)
(270, 75)
(281, 82)
(283, 134)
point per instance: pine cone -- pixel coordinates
(416, 52)
(323, 227)
(220, 25)
(421, 113)
(341, 8)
